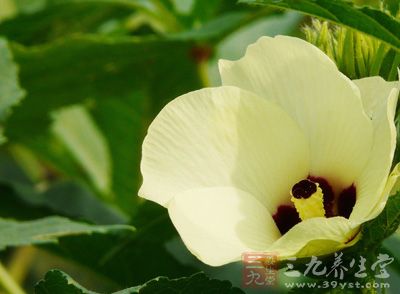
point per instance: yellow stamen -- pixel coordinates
(311, 206)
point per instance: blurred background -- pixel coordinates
(92, 76)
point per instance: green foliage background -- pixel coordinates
(80, 81)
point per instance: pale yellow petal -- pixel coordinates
(379, 99)
(219, 224)
(374, 94)
(223, 137)
(325, 103)
(316, 236)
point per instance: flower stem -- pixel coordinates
(19, 265)
(7, 282)
(203, 73)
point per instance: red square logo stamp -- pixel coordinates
(260, 269)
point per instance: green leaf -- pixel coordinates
(21, 200)
(124, 127)
(10, 91)
(112, 255)
(198, 283)
(378, 229)
(77, 201)
(204, 10)
(219, 27)
(76, 129)
(13, 207)
(391, 246)
(128, 261)
(122, 82)
(50, 22)
(58, 282)
(364, 19)
(49, 230)
(55, 19)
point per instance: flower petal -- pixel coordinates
(379, 99)
(315, 236)
(375, 92)
(219, 224)
(223, 137)
(325, 103)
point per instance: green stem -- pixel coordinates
(7, 282)
(19, 265)
(203, 73)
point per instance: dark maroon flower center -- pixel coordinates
(286, 216)
(346, 201)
